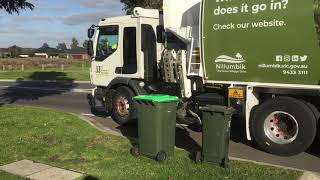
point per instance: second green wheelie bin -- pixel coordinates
(156, 126)
(216, 122)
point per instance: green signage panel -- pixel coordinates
(266, 41)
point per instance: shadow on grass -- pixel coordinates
(131, 131)
(53, 75)
(89, 177)
(36, 88)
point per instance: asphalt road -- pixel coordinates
(73, 98)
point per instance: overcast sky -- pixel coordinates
(54, 21)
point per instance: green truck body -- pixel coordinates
(256, 41)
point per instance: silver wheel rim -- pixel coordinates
(123, 107)
(281, 127)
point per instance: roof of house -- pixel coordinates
(48, 50)
(78, 50)
(28, 51)
(3, 50)
(25, 51)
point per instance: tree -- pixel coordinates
(62, 46)
(15, 6)
(74, 43)
(85, 44)
(45, 46)
(14, 51)
(129, 5)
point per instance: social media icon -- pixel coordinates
(295, 58)
(279, 58)
(287, 58)
(303, 58)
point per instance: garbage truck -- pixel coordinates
(260, 57)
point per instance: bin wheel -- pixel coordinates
(198, 157)
(225, 163)
(135, 151)
(161, 156)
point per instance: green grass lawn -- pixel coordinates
(73, 72)
(63, 140)
(6, 176)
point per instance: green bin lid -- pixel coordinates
(157, 98)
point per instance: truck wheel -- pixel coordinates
(123, 106)
(284, 126)
(313, 109)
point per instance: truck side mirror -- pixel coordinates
(90, 48)
(90, 33)
(161, 34)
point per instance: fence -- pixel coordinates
(45, 67)
(31, 64)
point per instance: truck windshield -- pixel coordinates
(107, 42)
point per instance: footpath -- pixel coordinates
(37, 171)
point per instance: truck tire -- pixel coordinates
(123, 107)
(284, 126)
(313, 108)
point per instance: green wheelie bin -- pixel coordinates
(216, 123)
(156, 126)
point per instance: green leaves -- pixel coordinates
(74, 43)
(15, 6)
(62, 46)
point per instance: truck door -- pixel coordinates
(129, 52)
(116, 53)
(107, 55)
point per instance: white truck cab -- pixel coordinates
(129, 57)
(124, 45)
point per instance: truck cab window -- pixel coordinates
(107, 42)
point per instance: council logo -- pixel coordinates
(232, 60)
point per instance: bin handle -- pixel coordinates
(194, 115)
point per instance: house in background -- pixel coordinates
(47, 52)
(27, 52)
(78, 53)
(53, 53)
(4, 53)
(24, 56)
(41, 55)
